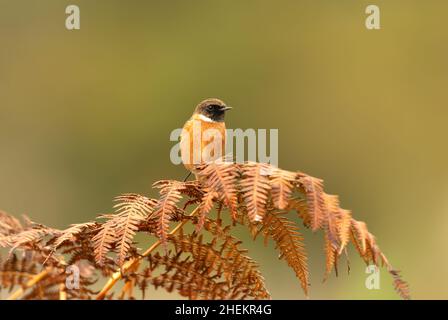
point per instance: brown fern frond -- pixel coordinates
(282, 184)
(314, 193)
(119, 230)
(360, 236)
(216, 228)
(28, 236)
(9, 224)
(331, 219)
(208, 263)
(401, 286)
(255, 188)
(225, 259)
(290, 243)
(135, 203)
(221, 177)
(344, 228)
(368, 249)
(126, 231)
(16, 272)
(192, 189)
(104, 239)
(70, 233)
(300, 206)
(330, 256)
(249, 281)
(166, 206)
(205, 208)
(132, 209)
(27, 273)
(184, 276)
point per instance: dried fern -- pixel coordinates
(282, 185)
(290, 243)
(166, 207)
(255, 188)
(257, 196)
(221, 177)
(314, 194)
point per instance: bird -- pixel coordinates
(203, 136)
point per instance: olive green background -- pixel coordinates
(86, 115)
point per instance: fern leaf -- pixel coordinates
(205, 208)
(133, 209)
(313, 189)
(344, 228)
(221, 177)
(224, 259)
(330, 256)
(361, 235)
(103, 240)
(186, 277)
(166, 206)
(366, 245)
(401, 286)
(282, 184)
(9, 224)
(126, 232)
(290, 243)
(255, 188)
(71, 232)
(27, 236)
(331, 222)
(136, 203)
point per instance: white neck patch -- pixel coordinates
(205, 118)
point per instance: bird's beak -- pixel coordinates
(226, 108)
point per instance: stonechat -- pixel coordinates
(203, 137)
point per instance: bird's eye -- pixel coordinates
(210, 108)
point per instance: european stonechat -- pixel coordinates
(203, 137)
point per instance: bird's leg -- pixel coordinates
(188, 175)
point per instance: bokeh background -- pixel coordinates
(86, 115)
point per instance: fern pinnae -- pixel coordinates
(331, 222)
(313, 189)
(400, 286)
(359, 230)
(344, 229)
(132, 209)
(290, 243)
(221, 177)
(330, 256)
(25, 237)
(70, 233)
(166, 207)
(9, 224)
(205, 207)
(223, 256)
(255, 188)
(282, 184)
(135, 203)
(184, 276)
(368, 249)
(103, 240)
(125, 233)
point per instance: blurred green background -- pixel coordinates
(86, 115)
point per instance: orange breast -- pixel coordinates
(202, 141)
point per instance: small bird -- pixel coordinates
(203, 137)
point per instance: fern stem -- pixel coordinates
(115, 277)
(19, 292)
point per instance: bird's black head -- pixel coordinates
(213, 109)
